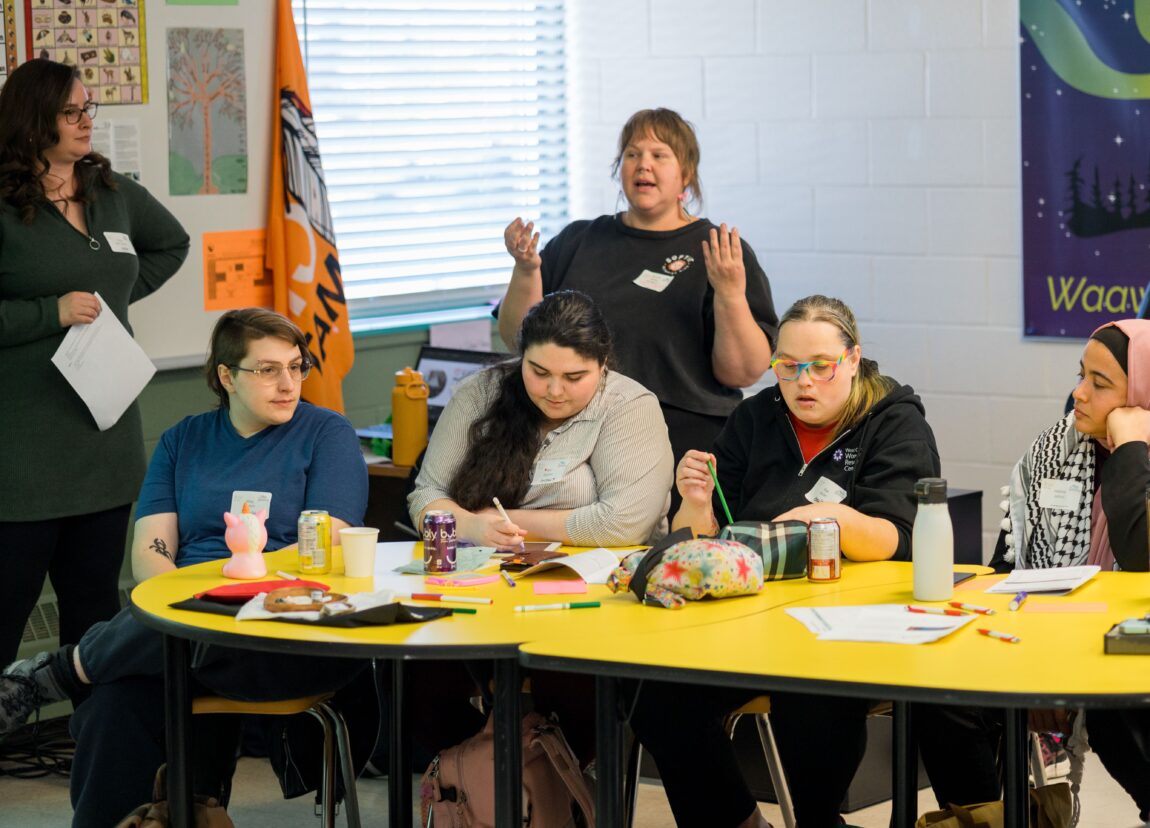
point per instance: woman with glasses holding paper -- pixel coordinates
(76, 240)
(1077, 496)
(835, 438)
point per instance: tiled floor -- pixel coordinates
(257, 803)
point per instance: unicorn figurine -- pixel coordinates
(246, 538)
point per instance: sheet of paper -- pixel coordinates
(883, 623)
(474, 335)
(1059, 579)
(467, 559)
(104, 365)
(466, 581)
(592, 566)
(560, 587)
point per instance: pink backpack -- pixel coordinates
(458, 788)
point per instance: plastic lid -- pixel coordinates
(930, 490)
(408, 376)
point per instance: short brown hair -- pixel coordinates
(235, 330)
(672, 129)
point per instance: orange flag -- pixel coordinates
(301, 251)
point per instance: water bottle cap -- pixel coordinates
(930, 490)
(408, 376)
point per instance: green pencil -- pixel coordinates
(719, 489)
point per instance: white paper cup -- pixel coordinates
(358, 551)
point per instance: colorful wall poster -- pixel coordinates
(234, 272)
(207, 112)
(1085, 86)
(8, 41)
(105, 38)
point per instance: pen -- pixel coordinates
(571, 605)
(463, 610)
(936, 611)
(503, 514)
(972, 608)
(719, 489)
(1017, 601)
(459, 599)
(510, 581)
(1001, 636)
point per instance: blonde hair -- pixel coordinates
(868, 385)
(667, 126)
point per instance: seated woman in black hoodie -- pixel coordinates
(836, 439)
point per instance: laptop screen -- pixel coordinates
(444, 368)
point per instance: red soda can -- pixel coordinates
(824, 561)
(438, 541)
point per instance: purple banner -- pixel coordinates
(1085, 86)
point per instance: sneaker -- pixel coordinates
(25, 687)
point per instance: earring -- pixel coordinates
(683, 196)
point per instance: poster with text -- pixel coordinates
(104, 38)
(207, 112)
(1085, 86)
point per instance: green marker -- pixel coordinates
(719, 489)
(568, 605)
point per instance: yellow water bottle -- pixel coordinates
(408, 417)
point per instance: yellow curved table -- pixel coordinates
(1059, 662)
(495, 632)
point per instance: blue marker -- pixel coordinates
(1016, 602)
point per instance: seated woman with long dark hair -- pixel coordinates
(574, 451)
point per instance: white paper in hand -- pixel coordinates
(104, 365)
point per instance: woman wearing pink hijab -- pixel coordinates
(1100, 450)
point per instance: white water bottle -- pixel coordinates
(932, 542)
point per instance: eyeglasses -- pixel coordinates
(819, 370)
(72, 113)
(268, 373)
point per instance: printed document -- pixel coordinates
(1060, 579)
(105, 366)
(884, 623)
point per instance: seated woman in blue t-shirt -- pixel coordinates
(262, 445)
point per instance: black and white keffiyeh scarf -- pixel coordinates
(1038, 538)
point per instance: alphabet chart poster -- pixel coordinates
(8, 41)
(104, 38)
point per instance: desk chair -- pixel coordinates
(760, 708)
(335, 739)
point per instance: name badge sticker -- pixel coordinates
(826, 491)
(653, 281)
(119, 242)
(550, 470)
(255, 501)
(1060, 494)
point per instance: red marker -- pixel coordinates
(457, 599)
(936, 611)
(1007, 637)
(972, 608)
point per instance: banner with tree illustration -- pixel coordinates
(1085, 100)
(207, 112)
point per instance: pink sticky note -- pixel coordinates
(1057, 606)
(560, 587)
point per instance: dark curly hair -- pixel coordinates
(30, 101)
(502, 444)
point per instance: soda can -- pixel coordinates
(314, 536)
(824, 561)
(438, 541)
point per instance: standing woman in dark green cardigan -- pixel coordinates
(69, 228)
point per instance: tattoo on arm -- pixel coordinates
(161, 548)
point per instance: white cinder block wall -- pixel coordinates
(867, 149)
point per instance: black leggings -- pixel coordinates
(81, 555)
(821, 741)
(688, 430)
